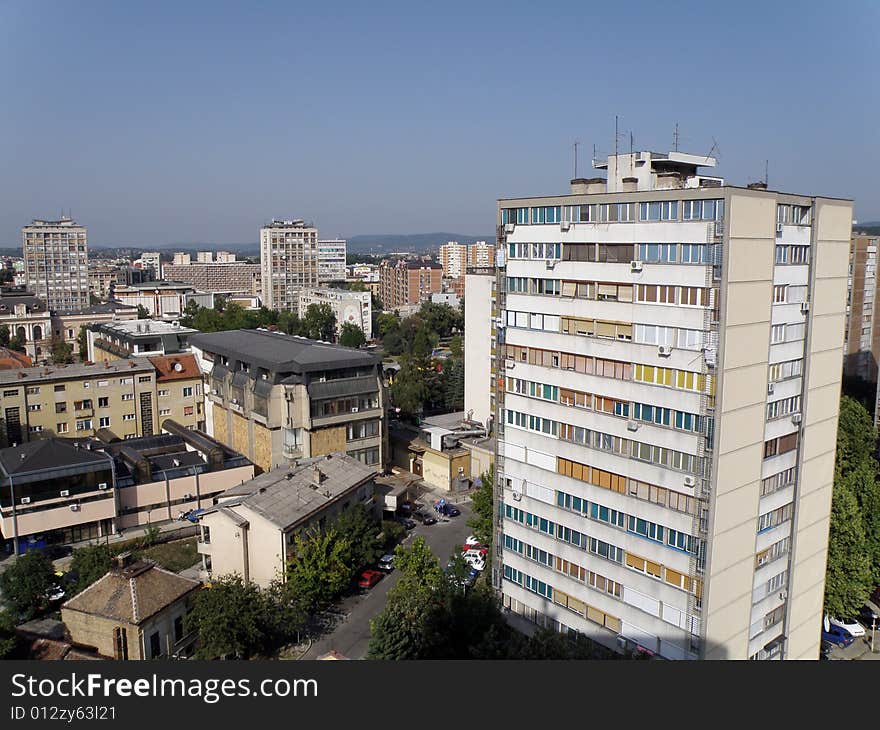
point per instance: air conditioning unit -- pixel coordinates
(234, 401)
(796, 418)
(719, 229)
(690, 481)
(550, 263)
(805, 307)
(354, 410)
(509, 227)
(783, 595)
(632, 426)
(710, 359)
(565, 225)
(25, 500)
(769, 388)
(517, 495)
(102, 485)
(635, 265)
(778, 230)
(664, 350)
(510, 364)
(65, 492)
(74, 508)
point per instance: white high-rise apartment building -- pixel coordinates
(669, 354)
(453, 259)
(481, 254)
(288, 260)
(154, 260)
(331, 260)
(56, 263)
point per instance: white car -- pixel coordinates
(850, 625)
(475, 561)
(471, 541)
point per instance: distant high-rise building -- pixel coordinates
(288, 261)
(57, 263)
(224, 257)
(481, 254)
(408, 282)
(453, 259)
(331, 260)
(668, 377)
(153, 259)
(205, 257)
(182, 259)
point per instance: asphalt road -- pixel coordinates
(351, 637)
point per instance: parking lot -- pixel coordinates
(351, 637)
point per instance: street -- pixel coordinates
(351, 637)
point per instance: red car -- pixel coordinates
(369, 578)
(482, 550)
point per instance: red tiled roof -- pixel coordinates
(175, 367)
(12, 360)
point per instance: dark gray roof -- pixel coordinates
(285, 496)
(279, 352)
(51, 453)
(28, 300)
(104, 308)
(51, 373)
(343, 387)
(183, 459)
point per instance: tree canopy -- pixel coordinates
(231, 617)
(351, 335)
(25, 582)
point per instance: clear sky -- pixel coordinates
(160, 122)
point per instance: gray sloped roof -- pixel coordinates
(51, 453)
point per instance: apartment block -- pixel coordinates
(252, 529)
(179, 394)
(354, 307)
(276, 398)
(56, 262)
(115, 398)
(479, 344)
(862, 338)
(669, 366)
(152, 260)
(228, 277)
(331, 260)
(408, 282)
(288, 261)
(453, 259)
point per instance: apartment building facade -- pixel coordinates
(479, 344)
(354, 307)
(331, 260)
(56, 261)
(408, 282)
(138, 337)
(288, 261)
(669, 365)
(862, 339)
(236, 277)
(276, 398)
(162, 299)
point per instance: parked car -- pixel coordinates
(868, 617)
(369, 578)
(407, 523)
(471, 540)
(475, 561)
(837, 636)
(452, 511)
(481, 549)
(850, 625)
(386, 563)
(54, 593)
(429, 520)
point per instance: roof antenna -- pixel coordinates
(675, 138)
(766, 172)
(713, 149)
(575, 145)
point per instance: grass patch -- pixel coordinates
(175, 555)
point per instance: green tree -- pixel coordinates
(82, 343)
(319, 322)
(351, 335)
(360, 529)
(16, 342)
(409, 392)
(61, 351)
(25, 582)
(856, 436)
(189, 312)
(8, 638)
(848, 575)
(287, 613)
(863, 483)
(4, 335)
(289, 322)
(385, 323)
(230, 617)
(418, 566)
(453, 383)
(142, 312)
(483, 505)
(89, 564)
(319, 568)
(357, 286)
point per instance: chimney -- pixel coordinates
(629, 184)
(123, 560)
(757, 186)
(588, 185)
(317, 475)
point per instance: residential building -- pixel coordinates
(205, 257)
(331, 260)
(454, 287)
(163, 299)
(288, 261)
(479, 345)
(102, 279)
(480, 254)
(225, 257)
(670, 348)
(136, 337)
(67, 325)
(135, 612)
(453, 259)
(450, 299)
(354, 307)
(182, 259)
(153, 260)
(62, 491)
(862, 334)
(57, 262)
(179, 390)
(277, 397)
(78, 400)
(218, 277)
(408, 282)
(456, 258)
(252, 529)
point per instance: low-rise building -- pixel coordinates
(277, 397)
(252, 528)
(162, 299)
(354, 307)
(179, 389)
(136, 337)
(136, 611)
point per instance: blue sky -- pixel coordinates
(168, 122)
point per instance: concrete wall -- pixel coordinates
(478, 332)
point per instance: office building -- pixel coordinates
(277, 398)
(670, 348)
(408, 282)
(218, 277)
(331, 260)
(163, 299)
(252, 529)
(56, 262)
(288, 261)
(354, 307)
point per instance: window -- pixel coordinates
(128, 396)
(104, 422)
(61, 427)
(188, 392)
(103, 402)
(666, 210)
(33, 390)
(128, 417)
(706, 210)
(777, 334)
(144, 378)
(779, 293)
(658, 253)
(59, 388)
(85, 425)
(693, 253)
(10, 393)
(164, 411)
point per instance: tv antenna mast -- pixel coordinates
(675, 138)
(714, 148)
(575, 146)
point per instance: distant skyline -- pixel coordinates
(166, 122)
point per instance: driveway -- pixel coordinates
(351, 637)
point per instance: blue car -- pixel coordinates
(838, 636)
